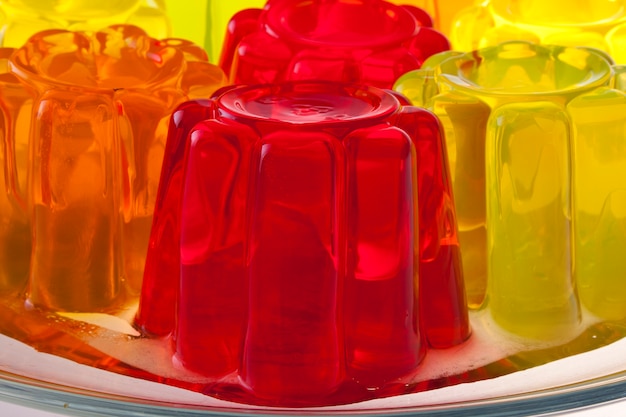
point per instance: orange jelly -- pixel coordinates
(85, 120)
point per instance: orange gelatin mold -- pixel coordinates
(84, 120)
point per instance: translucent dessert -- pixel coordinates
(302, 238)
(20, 19)
(206, 21)
(304, 248)
(85, 121)
(367, 41)
(595, 24)
(534, 131)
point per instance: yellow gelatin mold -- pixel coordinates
(20, 19)
(536, 141)
(597, 24)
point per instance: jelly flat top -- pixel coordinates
(304, 103)
(522, 68)
(117, 57)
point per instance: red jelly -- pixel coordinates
(368, 41)
(296, 210)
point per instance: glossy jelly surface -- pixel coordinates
(596, 24)
(299, 225)
(525, 112)
(84, 121)
(367, 41)
(210, 17)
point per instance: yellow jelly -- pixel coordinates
(20, 19)
(599, 121)
(200, 21)
(187, 20)
(84, 119)
(524, 122)
(218, 15)
(594, 23)
(443, 12)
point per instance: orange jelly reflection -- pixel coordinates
(85, 121)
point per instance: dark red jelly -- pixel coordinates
(302, 237)
(367, 41)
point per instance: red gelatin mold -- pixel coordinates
(289, 233)
(369, 41)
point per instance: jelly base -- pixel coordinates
(110, 343)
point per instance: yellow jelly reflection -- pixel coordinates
(523, 122)
(594, 23)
